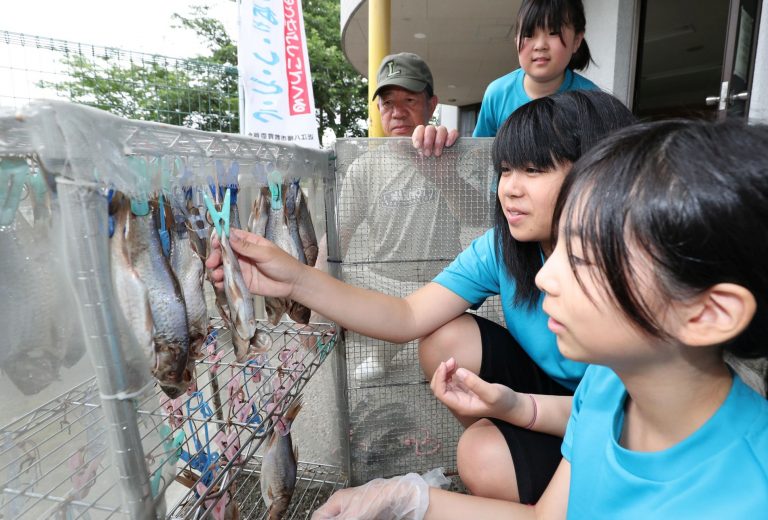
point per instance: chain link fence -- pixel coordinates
(194, 93)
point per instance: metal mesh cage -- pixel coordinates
(401, 218)
(104, 441)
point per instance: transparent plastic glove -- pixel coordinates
(405, 497)
(436, 478)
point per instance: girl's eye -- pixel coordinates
(577, 261)
(532, 171)
(554, 33)
(505, 170)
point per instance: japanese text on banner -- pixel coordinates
(276, 84)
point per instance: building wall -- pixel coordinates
(612, 27)
(758, 104)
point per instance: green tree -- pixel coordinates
(202, 92)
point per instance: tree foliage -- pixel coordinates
(202, 92)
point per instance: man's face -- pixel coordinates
(403, 110)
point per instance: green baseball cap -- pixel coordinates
(406, 70)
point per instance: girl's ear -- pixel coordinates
(578, 38)
(718, 315)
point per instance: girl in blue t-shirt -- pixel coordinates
(510, 456)
(550, 46)
(657, 273)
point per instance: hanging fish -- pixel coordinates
(281, 215)
(166, 300)
(278, 466)
(235, 304)
(130, 291)
(303, 234)
(189, 270)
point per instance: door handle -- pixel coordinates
(719, 100)
(741, 96)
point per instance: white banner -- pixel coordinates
(276, 99)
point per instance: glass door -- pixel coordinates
(738, 60)
(696, 58)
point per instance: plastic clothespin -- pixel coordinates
(231, 180)
(13, 175)
(275, 181)
(220, 218)
(111, 218)
(172, 448)
(204, 459)
(165, 236)
(183, 174)
(140, 204)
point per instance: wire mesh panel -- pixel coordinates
(114, 442)
(188, 92)
(401, 219)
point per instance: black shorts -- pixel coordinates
(536, 455)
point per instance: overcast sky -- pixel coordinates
(137, 25)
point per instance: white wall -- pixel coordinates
(758, 104)
(449, 116)
(612, 27)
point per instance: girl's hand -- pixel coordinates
(398, 498)
(464, 393)
(267, 269)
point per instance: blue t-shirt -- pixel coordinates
(477, 274)
(506, 94)
(720, 471)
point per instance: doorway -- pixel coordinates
(696, 58)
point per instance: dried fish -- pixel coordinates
(40, 326)
(130, 291)
(303, 234)
(189, 270)
(282, 216)
(166, 300)
(278, 467)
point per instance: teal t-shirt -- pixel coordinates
(477, 274)
(720, 471)
(506, 94)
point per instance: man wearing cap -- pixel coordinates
(407, 101)
(389, 208)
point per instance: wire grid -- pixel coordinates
(54, 456)
(53, 460)
(186, 92)
(401, 219)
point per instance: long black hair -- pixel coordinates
(544, 133)
(693, 196)
(553, 15)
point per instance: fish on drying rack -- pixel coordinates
(139, 259)
(278, 466)
(281, 215)
(234, 300)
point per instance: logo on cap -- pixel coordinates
(391, 69)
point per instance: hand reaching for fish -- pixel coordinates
(267, 270)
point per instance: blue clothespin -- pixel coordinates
(165, 236)
(111, 218)
(140, 204)
(204, 460)
(13, 175)
(172, 449)
(275, 180)
(220, 218)
(183, 174)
